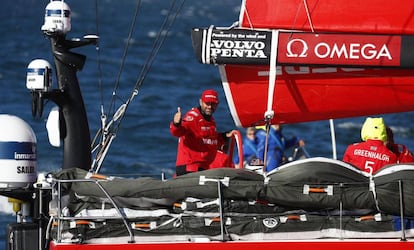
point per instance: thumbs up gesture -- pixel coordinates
(177, 116)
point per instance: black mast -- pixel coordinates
(74, 126)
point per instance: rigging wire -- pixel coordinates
(125, 53)
(98, 60)
(308, 15)
(108, 131)
(98, 55)
(159, 41)
(103, 133)
(247, 16)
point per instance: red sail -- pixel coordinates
(356, 16)
(318, 76)
(315, 93)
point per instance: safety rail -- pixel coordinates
(222, 184)
(97, 182)
(236, 141)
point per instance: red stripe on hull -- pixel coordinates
(303, 245)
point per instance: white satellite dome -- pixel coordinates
(18, 159)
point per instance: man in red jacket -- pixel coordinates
(371, 154)
(198, 137)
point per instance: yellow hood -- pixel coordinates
(374, 128)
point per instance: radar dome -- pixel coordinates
(18, 160)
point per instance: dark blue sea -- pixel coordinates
(143, 144)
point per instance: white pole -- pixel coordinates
(331, 123)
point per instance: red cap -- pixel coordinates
(209, 95)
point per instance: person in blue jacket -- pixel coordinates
(250, 156)
(277, 144)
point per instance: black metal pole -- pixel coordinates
(400, 187)
(76, 134)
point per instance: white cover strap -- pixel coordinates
(272, 75)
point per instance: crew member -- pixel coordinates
(371, 154)
(198, 137)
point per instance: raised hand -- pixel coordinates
(177, 116)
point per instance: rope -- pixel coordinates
(308, 15)
(266, 146)
(247, 16)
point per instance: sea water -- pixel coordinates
(143, 144)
